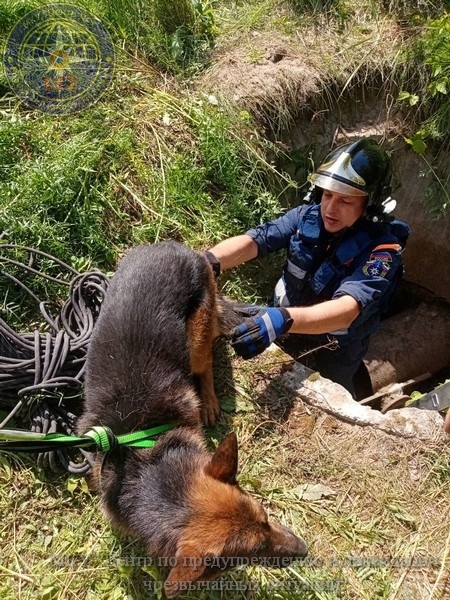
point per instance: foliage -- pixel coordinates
(321, 10)
(174, 34)
(429, 96)
(189, 26)
(86, 187)
(315, 6)
(432, 50)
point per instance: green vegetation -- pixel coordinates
(92, 184)
(373, 508)
(432, 97)
(173, 34)
(162, 155)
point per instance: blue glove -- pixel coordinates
(256, 334)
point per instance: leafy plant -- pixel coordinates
(432, 50)
(189, 26)
(315, 6)
(431, 100)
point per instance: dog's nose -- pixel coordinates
(297, 546)
(302, 548)
(287, 543)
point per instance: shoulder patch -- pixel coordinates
(375, 267)
(380, 260)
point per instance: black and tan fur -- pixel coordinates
(156, 330)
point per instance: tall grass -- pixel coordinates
(411, 8)
(174, 34)
(315, 6)
(87, 186)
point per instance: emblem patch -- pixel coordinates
(59, 59)
(383, 256)
(375, 267)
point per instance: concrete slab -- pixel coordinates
(326, 395)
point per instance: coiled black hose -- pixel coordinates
(41, 373)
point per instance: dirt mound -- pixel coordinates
(271, 80)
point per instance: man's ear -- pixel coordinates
(189, 568)
(224, 462)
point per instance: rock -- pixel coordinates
(335, 400)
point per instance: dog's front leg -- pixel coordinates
(210, 406)
(201, 334)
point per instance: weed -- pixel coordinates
(176, 35)
(315, 6)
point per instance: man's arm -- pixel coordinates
(259, 241)
(235, 251)
(258, 332)
(332, 315)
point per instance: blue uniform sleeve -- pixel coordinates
(275, 235)
(373, 278)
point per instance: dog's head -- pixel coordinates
(228, 527)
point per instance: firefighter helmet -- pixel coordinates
(360, 168)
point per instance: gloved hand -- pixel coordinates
(213, 261)
(257, 333)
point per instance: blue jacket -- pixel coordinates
(364, 262)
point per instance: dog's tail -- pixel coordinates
(233, 313)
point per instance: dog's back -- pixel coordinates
(139, 354)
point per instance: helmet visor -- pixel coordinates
(328, 183)
(338, 175)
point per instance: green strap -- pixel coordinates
(101, 436)
(141, 439)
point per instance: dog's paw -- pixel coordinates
(210, 410)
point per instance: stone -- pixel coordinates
(336, 400)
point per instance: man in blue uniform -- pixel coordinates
(343, 262)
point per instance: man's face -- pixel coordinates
(340, 210)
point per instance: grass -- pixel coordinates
(164, 155)
(375, 528)
(169, 166)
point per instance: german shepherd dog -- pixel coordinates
(156, 330)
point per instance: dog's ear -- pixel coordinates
(189, 568)
(224, 462)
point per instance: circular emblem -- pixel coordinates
(59, 59)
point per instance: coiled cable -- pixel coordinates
(41, 373)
